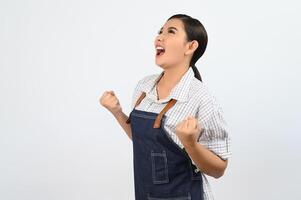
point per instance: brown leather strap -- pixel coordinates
(140, 99)
(137, 103)
(165, 109)
(157, 123)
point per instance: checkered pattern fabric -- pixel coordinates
(193, 98)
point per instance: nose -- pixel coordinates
(159, 38)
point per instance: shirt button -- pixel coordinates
(196, 170)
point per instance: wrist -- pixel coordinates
(190, 145)
(117, 114)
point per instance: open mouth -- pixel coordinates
(160, 51)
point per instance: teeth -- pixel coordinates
(160, 50)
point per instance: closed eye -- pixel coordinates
(170, 31)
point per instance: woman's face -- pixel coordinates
(172, 38)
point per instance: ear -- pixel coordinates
(192, 46)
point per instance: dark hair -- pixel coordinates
(194, 31)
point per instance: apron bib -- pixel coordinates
(162, 169)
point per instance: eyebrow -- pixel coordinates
(170, 28)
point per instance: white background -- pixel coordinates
(58, 57)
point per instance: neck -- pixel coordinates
(172, 75)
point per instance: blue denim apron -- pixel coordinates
(162, 169)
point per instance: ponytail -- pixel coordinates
(196, 72)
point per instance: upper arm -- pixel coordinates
(215, 136)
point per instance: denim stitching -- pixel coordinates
(188, 197)
(163, 155)
(144, 116)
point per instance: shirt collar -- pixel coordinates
(180, 92)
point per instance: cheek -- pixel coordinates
(177, 49)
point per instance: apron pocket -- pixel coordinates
(159, 167)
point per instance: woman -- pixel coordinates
(176, 124)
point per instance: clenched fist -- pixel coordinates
(189, 131)
(110, 102)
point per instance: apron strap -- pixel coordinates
(160, 115)
(165, 109)
(137, 103)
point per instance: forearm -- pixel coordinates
(121, 118)
(206, 161)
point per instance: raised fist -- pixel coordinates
(110, 102)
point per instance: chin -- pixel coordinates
(160, 65)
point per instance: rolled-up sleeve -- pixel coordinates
(215, 136)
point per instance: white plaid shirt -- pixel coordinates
(194, 98)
